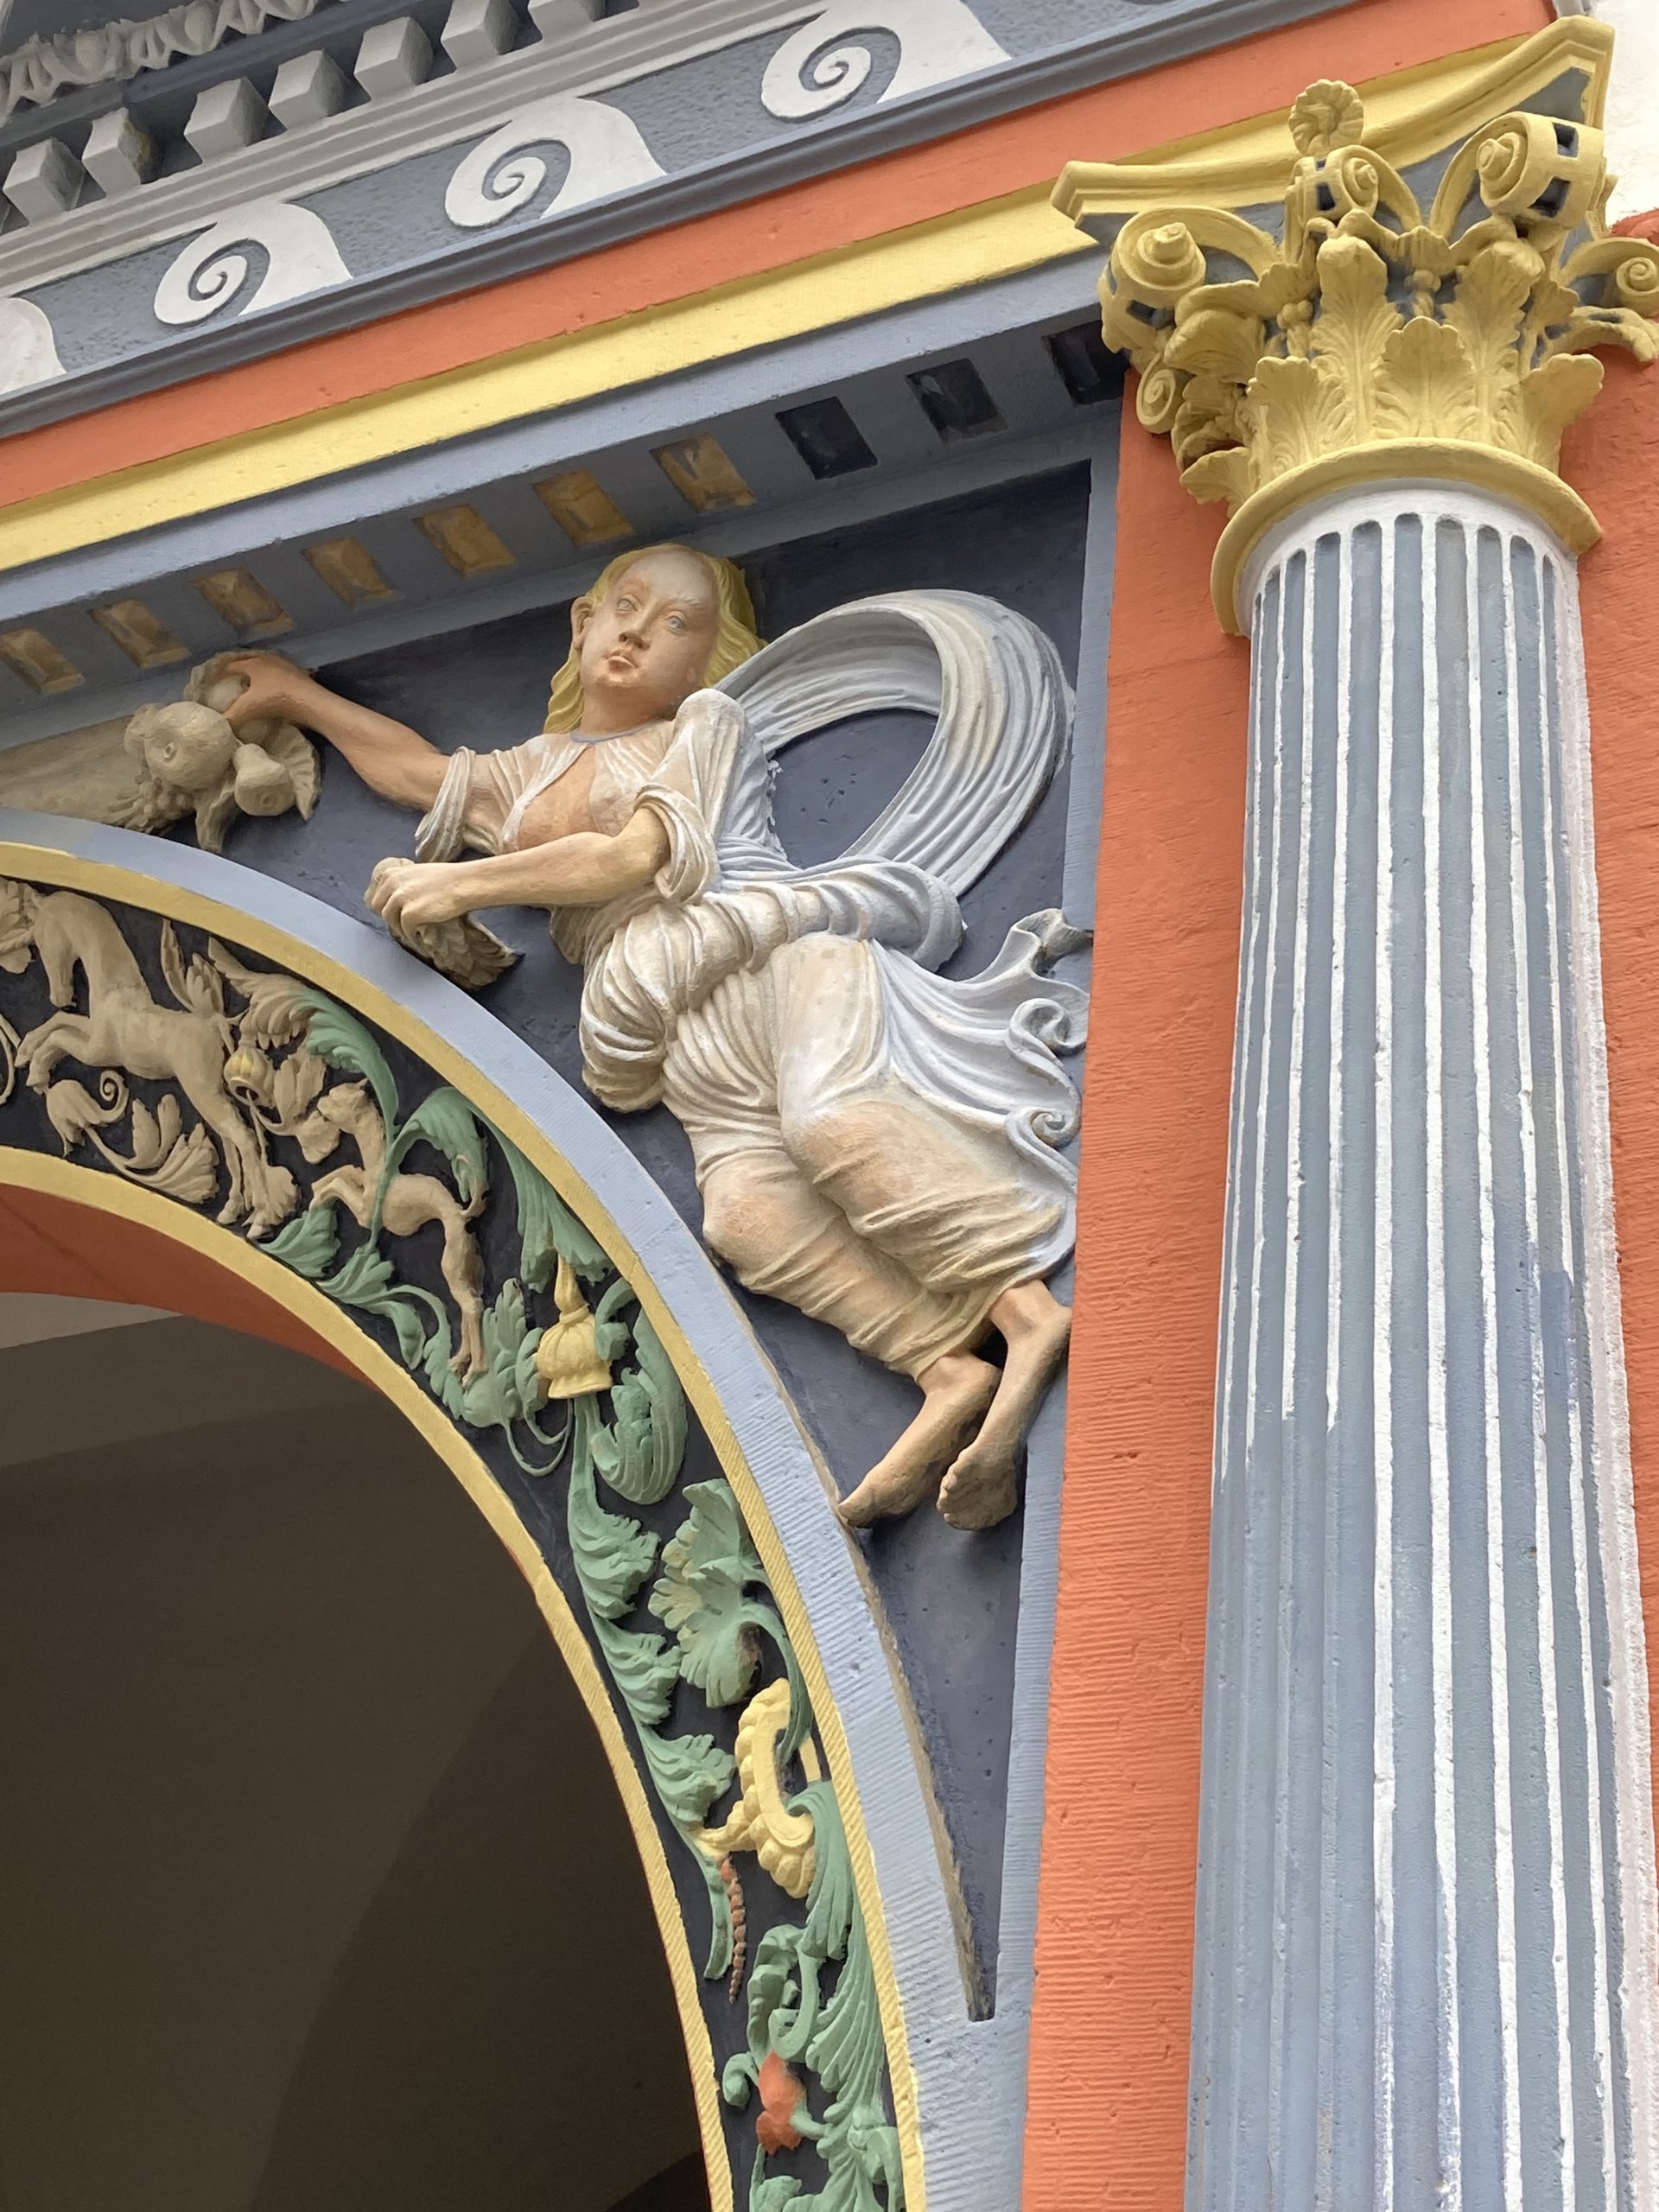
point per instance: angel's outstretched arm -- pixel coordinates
(583, 870)
(391, 759)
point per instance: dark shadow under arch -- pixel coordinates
(355, 1830)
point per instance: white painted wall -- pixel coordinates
(1633, 101)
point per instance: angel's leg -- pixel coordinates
(783, 1239)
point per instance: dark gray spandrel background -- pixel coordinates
(952, 1600)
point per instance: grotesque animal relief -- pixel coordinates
(126, 1032)
(169, 764)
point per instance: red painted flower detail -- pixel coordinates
(781, 2096)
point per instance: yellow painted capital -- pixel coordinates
(1384, 329)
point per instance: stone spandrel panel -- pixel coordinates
(952, 1598)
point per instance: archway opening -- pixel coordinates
(316, 1892)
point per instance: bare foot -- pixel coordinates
(980, 1489)
(956, 1391)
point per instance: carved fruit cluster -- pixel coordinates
(190, 760)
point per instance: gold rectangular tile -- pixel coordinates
(350, 571)
(32, 655)
(143, 637)
(702, 472)
(583, 509)
(239, 598)
(466, 540)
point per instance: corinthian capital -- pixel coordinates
(1427, 307)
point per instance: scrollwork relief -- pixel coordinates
(503, 174)
(824, 63)
(218, 266)
(247, 1090)
(29, 345)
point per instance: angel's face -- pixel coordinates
(645, 648)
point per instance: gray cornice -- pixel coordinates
(1188, 27)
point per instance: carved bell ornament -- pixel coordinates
(1377, 337)
(567, 1359)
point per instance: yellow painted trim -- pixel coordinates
(972, 246)
(69, 871)
(104, 1193)
(1409, 116)
(1398, 460)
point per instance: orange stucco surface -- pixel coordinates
(1612, 458)
(50, 1247)
(1108, 2085)
(1106, 122)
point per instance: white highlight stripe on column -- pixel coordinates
(1497, 1613)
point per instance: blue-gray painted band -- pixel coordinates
(660, 408)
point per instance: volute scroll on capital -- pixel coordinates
(1376, 336)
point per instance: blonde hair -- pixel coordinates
(735, 640)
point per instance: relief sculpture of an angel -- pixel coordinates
(877, 1144)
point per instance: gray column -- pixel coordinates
(1425, 1963)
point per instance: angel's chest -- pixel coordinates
(564, 807)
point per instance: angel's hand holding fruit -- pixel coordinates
(415, 894)
(278, 690)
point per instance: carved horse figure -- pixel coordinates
(124, 1029)
(408, 1203)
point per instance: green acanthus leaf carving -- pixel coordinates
(366, 1280)
(639, 1454)
(689, 1772)
(342, 1040)
(547, 1228)
(306, 1072)
(613, 1555)
(308, 1243)
(445, 1121)
(797, 2017)
(701, 1595)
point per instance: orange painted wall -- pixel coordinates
(70, 1251)
(1106, 2120)
(1613, 457)
(1106, 122)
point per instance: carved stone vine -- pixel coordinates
(279, 1107)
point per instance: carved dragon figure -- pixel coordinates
(407, 1204)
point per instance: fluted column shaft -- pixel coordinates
(1426, 1960)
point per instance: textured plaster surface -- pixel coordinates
(1110, 2031)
